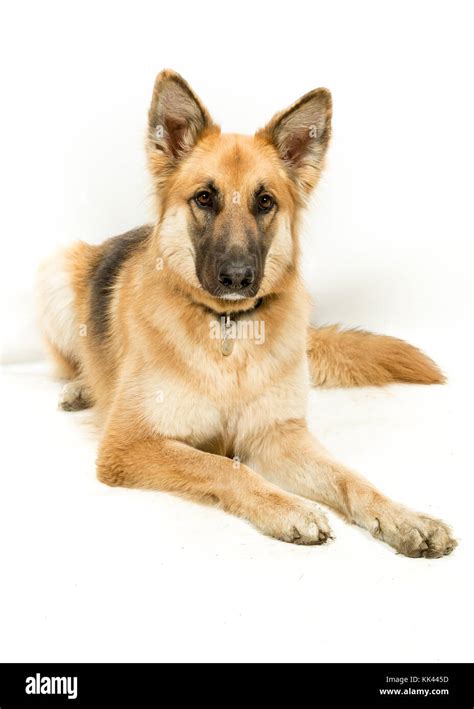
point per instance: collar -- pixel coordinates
(235, 313)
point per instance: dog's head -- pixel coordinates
(228, 204)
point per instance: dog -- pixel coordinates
(157, 330)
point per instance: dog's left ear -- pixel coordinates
(301, 136)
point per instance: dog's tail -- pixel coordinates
(354, 358)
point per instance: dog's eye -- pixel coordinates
(265, 202)
(204, 199)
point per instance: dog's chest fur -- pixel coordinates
(189, 390)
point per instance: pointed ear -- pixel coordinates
(301, 136)
(176, 118)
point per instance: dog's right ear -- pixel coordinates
(176, 120)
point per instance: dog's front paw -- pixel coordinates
(413, 534)
(292, 520)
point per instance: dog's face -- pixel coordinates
(229, 203)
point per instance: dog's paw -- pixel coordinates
(414, 534)
(74, 397)
(293, 520)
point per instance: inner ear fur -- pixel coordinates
(176, 119)
(301, 135)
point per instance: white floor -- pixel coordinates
(91, 573)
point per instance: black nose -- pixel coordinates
(236, 275)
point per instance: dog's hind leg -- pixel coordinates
(64, 367)
(62, 330)
(57, 312)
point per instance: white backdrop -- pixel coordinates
(95, 574)
(389, 235)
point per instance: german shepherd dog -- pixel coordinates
(191, 336)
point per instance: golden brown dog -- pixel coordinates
(191, 336)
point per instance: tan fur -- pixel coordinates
(176, 414)
(64, 368)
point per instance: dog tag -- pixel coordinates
(227, 346)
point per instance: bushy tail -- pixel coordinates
(354, 358)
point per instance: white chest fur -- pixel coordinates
(179, 409)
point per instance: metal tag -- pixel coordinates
(227, 346)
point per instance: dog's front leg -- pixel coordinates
(289, 456)
(164, 464)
